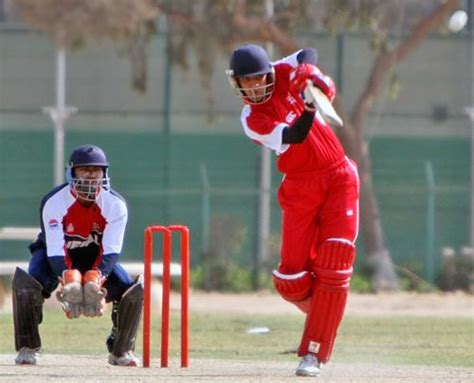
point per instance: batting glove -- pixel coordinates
(304, 72)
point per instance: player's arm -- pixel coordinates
(95, 293)
(53, 232)
(305, 68)
(303, 56)
(299, 130)
(112, 240)
(307, 56)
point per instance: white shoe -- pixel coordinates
(27, 355)
(309, 366)
(128, 359)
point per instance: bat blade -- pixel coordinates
(323, 105)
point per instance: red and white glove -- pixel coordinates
(70, 294)
(94, 293)
(304, 72)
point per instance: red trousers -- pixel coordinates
(317, 206)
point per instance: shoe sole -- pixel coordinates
(306, 373)
(130, 363)
(25, 363)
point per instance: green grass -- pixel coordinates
(375, 340)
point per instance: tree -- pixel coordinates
(353, 137)
(72, 24)
(241, 20)
(212, 26)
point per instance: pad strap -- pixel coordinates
(333, 270)
(295, 288)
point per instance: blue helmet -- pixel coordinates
(87, 155)
(251, 60)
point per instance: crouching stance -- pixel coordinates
(82, 228)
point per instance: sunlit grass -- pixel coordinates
(376, 340)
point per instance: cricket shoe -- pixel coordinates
(309, 366)
(27, 356)
(128, 360)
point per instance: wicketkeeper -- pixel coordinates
(82, 229)
(318, 194)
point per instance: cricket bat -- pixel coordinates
(323, 105)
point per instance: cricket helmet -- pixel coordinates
(251, 60)
(88, 155)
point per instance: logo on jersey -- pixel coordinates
(290, 117)
(70, 228)
(77, 242)
(53, 224)
(291, 100)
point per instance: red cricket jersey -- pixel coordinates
(83, 234)
(264, 123)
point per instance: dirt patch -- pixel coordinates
(413, 304)
(80, 369)
(83, 368)
(442, 305)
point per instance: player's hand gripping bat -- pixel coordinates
(315, 95)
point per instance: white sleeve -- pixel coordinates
(272, 140)
(116, 215)
(291, 59)
(52, 218)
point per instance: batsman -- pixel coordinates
(318, 194)
(82, 230)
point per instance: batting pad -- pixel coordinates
(333, 271)
(27, 309)
(294, 288)
(128, 319)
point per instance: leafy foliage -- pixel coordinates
(210, 27)
(72, 24)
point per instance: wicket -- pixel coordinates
(167, 232)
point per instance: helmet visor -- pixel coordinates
(89, 189)
(255, 89)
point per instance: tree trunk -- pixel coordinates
(378, 257)
(384, 277)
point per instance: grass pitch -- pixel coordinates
(429, 341)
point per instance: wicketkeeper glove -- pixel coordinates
(70, 294)
(94, 293)
(304, 72)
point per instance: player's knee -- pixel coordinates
(333, 264)
(293, 287)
